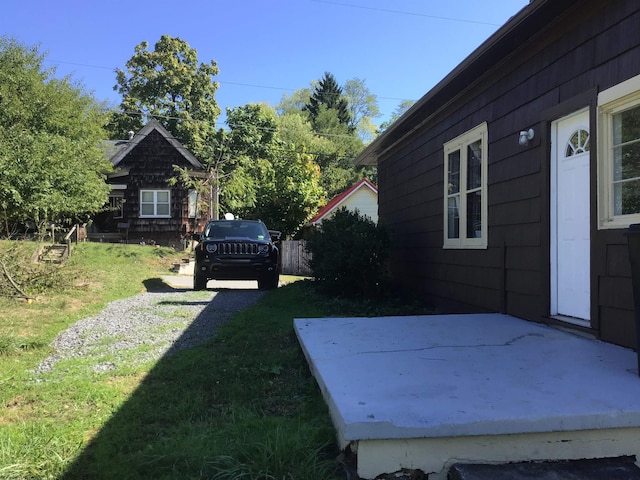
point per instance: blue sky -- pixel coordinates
(266, 48)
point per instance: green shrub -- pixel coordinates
(349, 255)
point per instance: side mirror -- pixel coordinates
(275, 235)
(195, 237)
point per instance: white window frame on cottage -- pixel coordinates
(192, 203)
(116, 202)
(155, 203)
(612, 104)
(456, 228)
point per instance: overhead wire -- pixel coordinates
(222, 82)
(239, 125)
(267, 129)
(364, 7)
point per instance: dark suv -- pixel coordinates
(237, 250)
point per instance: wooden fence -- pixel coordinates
(295, 258)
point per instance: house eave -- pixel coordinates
(139, 136)
(508, 38)
(340, 199)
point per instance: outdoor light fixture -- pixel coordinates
(525, 136)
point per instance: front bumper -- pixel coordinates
(235, 269)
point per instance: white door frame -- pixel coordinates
(554, 243)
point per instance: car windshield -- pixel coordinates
(237, 229)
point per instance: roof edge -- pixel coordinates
(336, 201)
(154, 124)
(400, 128)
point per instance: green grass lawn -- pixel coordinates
(242, 406)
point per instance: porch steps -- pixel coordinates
(185, 267)
(53, 253)
(621, 468)
(425, 393)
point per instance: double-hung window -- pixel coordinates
(155, 203)
(619, 155)
(192, 203)
(465, 190)
(115, 204)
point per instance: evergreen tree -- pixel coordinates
(326, 96)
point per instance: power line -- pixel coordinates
(451, 19)
(222, 82)
(231, 125)
(276, 148)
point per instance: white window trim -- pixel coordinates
(192, 203)
(460, 143)
(118, 208)
(616, 99)
(155, 203)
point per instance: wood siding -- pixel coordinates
(590, 47)
(295, 258)
(150, 165)
(364, 201)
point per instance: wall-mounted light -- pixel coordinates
(525, 136)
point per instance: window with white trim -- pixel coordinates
(192, 203)
(155, 203)
(619, 155)
(465, 190)
(115, 204)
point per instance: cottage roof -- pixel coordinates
(339, 199)
(117, 150)
(518, 30)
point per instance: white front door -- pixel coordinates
(570, 218)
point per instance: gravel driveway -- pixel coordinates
(149, 325)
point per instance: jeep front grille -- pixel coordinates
(238, 248)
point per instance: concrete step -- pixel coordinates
(620, 468)
(53, 253)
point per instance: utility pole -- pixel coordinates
(214, 205)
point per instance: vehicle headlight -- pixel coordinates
(211, 247)
(263, 249)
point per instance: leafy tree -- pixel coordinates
(332, 143)
(52, 167)
(269, 178)
(349, 253)
(295, 102)
(328, 94)
(363, 108)
(403, 107)
(168, 84)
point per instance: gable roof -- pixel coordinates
(339, 199)
(126, 146)
(515, 33)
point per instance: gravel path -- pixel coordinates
(147, 326)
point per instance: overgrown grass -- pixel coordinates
(242, 406)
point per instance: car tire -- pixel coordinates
(199, 281)
(269, 282)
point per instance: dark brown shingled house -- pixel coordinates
(510, 185)
(144, 207)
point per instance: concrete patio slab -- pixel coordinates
(427, 391)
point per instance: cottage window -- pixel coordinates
(619, 155)
(465, 190)
(192, 203)
(115, 205)
(155, 203)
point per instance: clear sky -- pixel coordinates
(265, 48)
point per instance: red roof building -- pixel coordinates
(363, 197)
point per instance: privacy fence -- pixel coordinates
(295, 258)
